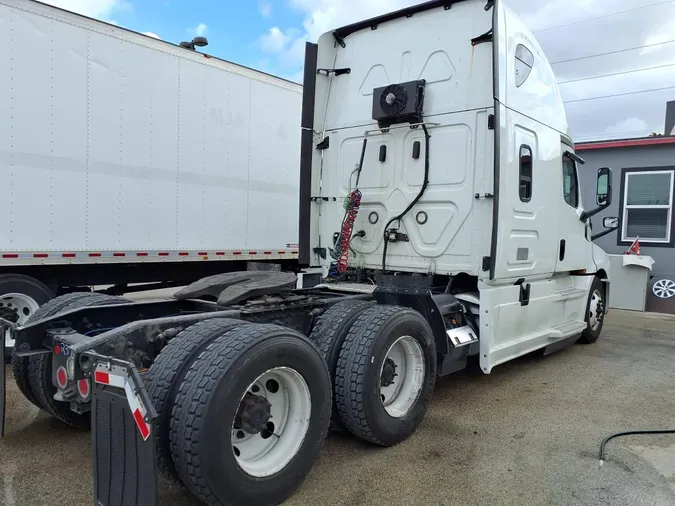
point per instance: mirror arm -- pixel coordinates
(602, 234)
(587, 214)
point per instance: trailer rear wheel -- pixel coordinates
(329, 333)
(251, 416)
(386, 374)
(40, 366)
(23, 295)
(166, 375)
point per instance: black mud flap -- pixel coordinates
(5, 326)
(123, 449)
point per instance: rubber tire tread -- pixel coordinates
(352, 367)
(20, 364)
(39, 368)
(588, 336)
(191, 406)
(165, 375)
(329, 334)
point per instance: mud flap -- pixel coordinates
(123, 449)
(5, 325)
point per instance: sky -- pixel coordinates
(269, 35)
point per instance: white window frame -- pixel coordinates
(624, 211)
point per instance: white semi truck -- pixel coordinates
(439, 195)
(129, 160)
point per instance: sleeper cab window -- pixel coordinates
(525, 173)
(524, 64)
(570, 182)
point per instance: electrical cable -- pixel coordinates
(351, 204)
(603, 16)
(616, 74)
(619, 95)
(613, 52)
(415, 200)
(629, 433)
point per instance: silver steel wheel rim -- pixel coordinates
(664, 288)
(595, 310)
(21, 304)
(405, 388)
(267, 453)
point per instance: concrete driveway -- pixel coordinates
(526, 434)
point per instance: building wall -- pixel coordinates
(655, 156)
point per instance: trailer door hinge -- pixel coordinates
(486, 37)
(484, 196)
(487, 261)
(325, 199)
(491, 121)
(489, 5)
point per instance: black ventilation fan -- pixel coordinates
(398, 103)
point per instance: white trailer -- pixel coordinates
(438, 192)
(126, 159)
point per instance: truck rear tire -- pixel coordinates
(40, 366)
(595, 312)
(386, 374)
(23, 295)
(166, 374)
(328, 335)
(251, 416)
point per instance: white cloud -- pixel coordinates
(275, 41)
(199, 30)
(265, 8)
(632, 125)
(153, 35)
(93, 8)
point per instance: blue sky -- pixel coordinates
(245, 32)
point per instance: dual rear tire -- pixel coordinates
(382, 361)
(243, 410)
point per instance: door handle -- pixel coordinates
(561, 255)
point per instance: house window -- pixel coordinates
(647, 206)
(570, 182)
(525, 173)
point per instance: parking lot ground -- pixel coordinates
(527, 434)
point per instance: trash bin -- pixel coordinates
(630, 281)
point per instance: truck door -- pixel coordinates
(574, 248)
(527, 239)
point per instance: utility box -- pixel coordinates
(630, 280)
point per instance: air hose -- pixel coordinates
(630, 433)
(351, 206)
(415, 200)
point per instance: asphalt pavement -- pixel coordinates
(527, 434)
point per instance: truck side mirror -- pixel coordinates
(610, 223)
(603, 193)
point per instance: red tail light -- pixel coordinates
(62, 377)
(83, 388)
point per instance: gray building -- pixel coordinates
(642, 198)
